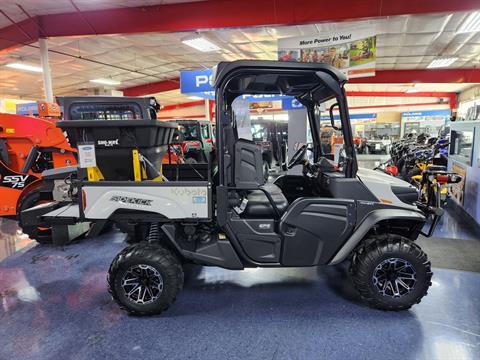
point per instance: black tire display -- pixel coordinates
(41, 234)
(144, 278)
(391, 272)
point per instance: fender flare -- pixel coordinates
(368, 222)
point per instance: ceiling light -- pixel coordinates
(439, 63)
(106, 81)
(194, 98)
(200, 43)
(26, 67)
(471, 23)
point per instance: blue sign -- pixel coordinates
(444, 112)
(196, 81)
(27, 109)
(352, 116)
(291, 104)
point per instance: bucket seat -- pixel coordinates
(248, 173)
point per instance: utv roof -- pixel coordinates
(277, 77)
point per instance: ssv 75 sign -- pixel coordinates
(14, 180)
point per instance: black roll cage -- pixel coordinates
(330, 85)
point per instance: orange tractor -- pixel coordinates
(28, 146)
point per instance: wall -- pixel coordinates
(469, 94)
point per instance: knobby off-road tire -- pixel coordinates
(373, 266)
(152, 266)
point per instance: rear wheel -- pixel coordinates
(144, 279)
(391, 272)
(40, 233)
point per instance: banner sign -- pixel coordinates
(27, 109)
(353, 52)
(352, 117)
(445, 112)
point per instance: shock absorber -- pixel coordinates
(153, 232)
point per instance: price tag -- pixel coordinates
(86, 155)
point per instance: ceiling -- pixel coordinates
(403, 42)
(13, 10)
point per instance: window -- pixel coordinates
(205, 131)
(190, 131)
(462, 145)
(105, 112)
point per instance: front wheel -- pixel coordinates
(144, 279)
(391, 272)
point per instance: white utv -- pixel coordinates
(228, 216)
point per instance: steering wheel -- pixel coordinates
(298, 157)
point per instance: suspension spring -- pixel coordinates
(153, 233)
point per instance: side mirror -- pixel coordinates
(332, 118)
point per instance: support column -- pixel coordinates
(47, 78)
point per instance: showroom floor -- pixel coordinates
(54, 304)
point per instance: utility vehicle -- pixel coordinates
(229, 217)
(197, 139)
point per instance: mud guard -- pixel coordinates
(368, 223)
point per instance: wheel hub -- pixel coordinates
(394, 277)
(142, 284)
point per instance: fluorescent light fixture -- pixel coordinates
(200, 43)
(194, 98)
(26, 67)
(471, 23)
(106, 81)
(439, 63)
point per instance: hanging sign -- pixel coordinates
(353, 52)
(196, 81)
(27, 109)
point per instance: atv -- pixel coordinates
(231, 218)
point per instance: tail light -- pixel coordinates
(442, 179)
(84, 199)
(392, 169)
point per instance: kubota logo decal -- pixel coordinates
(177, 191)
